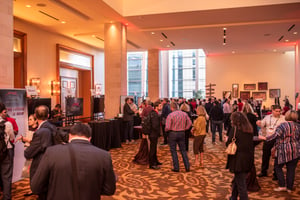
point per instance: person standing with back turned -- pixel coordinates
(77, 170)
(177, 122)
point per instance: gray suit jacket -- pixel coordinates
(94, 169)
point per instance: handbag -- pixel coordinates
(231, 148)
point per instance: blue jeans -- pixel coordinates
(174, 139)
(290, 173)
(214, 125)
(239, 187)
(6, 173)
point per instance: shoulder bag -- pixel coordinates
(231, 148)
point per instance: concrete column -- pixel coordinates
(6, 41)
(115, 52)
(153, 74)
(297, 74)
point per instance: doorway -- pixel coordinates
(20, 59)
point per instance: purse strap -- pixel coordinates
(75, 185)
(234, 139)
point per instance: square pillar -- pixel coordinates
(153, 74)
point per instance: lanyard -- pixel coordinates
(274, 123)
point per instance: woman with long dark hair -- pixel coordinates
(240, 163)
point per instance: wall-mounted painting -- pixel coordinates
(227, 94)
(273, 93)
(235, 90)
(259, 95)
(245, 95)
(262, 85)
(250, 86)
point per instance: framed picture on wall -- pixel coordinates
(250, 86)
(262, 85)
(245, 95)
(235, 90)
(259, 95)
(227, 94)
(273, 93)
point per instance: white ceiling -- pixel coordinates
(248, 29)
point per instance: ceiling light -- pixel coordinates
(152, 33)
(274, 50)
(233, 52)
(126, 24)
(295, 33)
(28, 6)
(168, 45)
(224, 43)
(93, 35)
(224, 29)
(286, 40)
(161, 40)
(63, 22)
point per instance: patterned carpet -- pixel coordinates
(136, 182)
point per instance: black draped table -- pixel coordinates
(106, 133)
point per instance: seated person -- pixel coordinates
(56, 115)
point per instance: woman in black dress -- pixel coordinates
(240, 163)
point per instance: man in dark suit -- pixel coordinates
(90, 167)
(154, 135)
(42, 139)
(128, 115)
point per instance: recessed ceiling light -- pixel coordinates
(224, 43)
(233, 52)
(168, 45)
(286, 40)
(274, 50)
(295, 33)
(161, 40)
(28, 6)
(63, 22)
(152, 33)
(41, 5)
(224, 28)
(93, 35)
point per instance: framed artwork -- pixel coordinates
(262, 85)
(259, 95)
(273, 93)
(227, 94)
(65, 84)
(250, 86)
(235, 90)
(245, 95)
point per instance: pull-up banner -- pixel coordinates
(15, 102)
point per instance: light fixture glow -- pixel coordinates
(152, 33)
(286, 40)
(28, 6)
(63, 22)
(233, 52)
(161, 40)
(295, 33)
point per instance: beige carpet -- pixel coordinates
(209, 182)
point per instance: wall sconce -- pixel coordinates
(35, 82)
(55, 88)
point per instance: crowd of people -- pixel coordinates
(78, 164)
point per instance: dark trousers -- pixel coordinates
(226, 121)
(186, 139)
(290, 173)
(128, 130)
(214, 126)
(239, 187)
(6, 173)
(165, 134)
(153, 151)
(267, 146)
(207, 126)
(174, 139)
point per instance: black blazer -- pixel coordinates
(127, 113)
(41, 139)
(155, 124)
(94, 169)
(243, 160)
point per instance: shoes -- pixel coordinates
(262, 175)
(175, 170)
(28, 194)
(159, 163)
(280, 189)
(154, 167)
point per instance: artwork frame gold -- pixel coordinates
(259, 96)
(244, 95)
(274, 93)
(251, 86)
(235, 90)
(262, 85)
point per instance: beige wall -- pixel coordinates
(6, 41)
(275, 68)
(41, 56)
